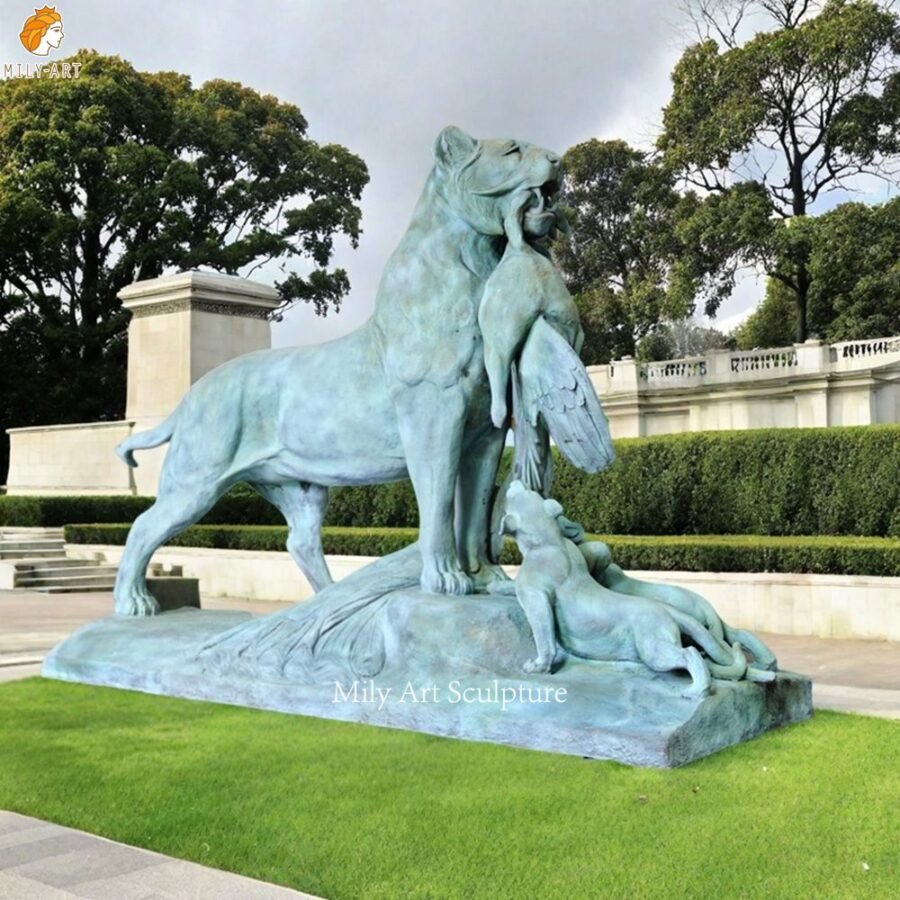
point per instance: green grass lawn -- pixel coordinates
(341, 810)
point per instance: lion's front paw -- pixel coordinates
(446, 577)
(539, 664)
(137, 603)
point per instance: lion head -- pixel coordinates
(499, 186)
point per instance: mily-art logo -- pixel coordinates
(42, 32)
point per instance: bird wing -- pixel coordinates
(533, 462)
(556, 388)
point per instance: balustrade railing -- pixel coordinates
(671, 369)
(864, 349)
(723, 366)
(762, 360)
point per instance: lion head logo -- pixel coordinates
(42, 32)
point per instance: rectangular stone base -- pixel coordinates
(617, 711)
(174, 592)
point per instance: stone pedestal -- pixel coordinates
(182, 326)
(447, 666)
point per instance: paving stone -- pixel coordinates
(36, 831)
(25, 852)
(14, 887)
(42, 861)
(92, 859)
(168, 881)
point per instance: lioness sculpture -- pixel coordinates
(406, 395)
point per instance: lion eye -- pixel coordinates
(511, 150)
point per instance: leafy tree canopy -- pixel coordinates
(791, 112)
(623, 209)
(773, 323)
(119, 175)
(855, 267)
(854, 263)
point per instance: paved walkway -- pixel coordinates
(41, 861)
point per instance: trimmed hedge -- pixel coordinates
(828, 481)
(695, 553)
(52, 512)
(777, 481)
(384, 505)
(340, 541)
(785, 481)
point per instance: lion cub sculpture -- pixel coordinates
(570, 613)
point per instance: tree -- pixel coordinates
(855, 268)
(773, 323)
(119, 175)
(785, 115)
(854, 264)
(608, 334)
(623, 208)
(690, 339)
(675, 340)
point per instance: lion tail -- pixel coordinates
(735, 670)
(145, 440)
(763, 657)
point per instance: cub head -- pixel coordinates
(499, 186)
(529, 517)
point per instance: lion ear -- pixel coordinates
(552, 508)
(509, 523)
(452, 146)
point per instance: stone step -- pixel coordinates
(98, 585)
(46, 564)
(66, 576)
(32, 544)
(12, 532)
(91, 574)
(32, 553)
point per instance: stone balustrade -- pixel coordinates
(805, 385)
(866, 349)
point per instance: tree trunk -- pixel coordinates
(803, 283)
(803, 279)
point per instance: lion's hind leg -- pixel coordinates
(175, 508)
(763, 657)
(663, 654)
(303, 506)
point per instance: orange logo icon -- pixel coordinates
(42, 32)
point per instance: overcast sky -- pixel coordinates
(382, 77)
